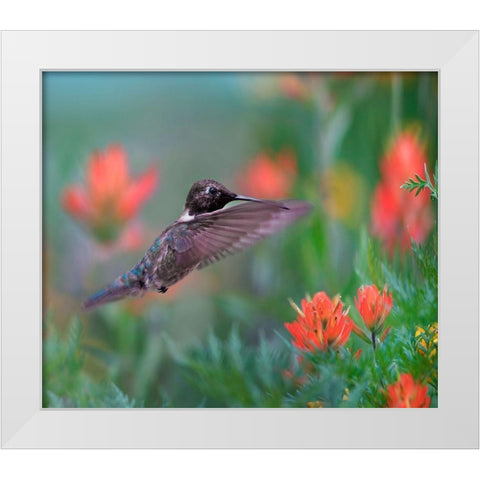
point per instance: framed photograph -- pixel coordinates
(240, 239)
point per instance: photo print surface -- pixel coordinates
(240, 239)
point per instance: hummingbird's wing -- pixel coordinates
(211, 236)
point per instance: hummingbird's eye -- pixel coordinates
(212, 190)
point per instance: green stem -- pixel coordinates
(396, 102)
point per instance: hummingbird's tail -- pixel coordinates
(127, 285)
(107, 294)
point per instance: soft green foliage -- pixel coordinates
(66, 385)
(230, 374)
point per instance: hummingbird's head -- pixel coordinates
(207, 196)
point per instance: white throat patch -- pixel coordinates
(185, 217)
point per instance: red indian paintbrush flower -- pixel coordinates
(406, 393)
(267, 177)
(110, 197)
(398, 215)
(373, 306)
(320, 323)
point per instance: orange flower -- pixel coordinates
(110, 198)
(293, 85)
(320, 323)
(406, 393)
(373, 306)
(266, 177)
(397, 214)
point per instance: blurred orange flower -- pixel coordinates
(293, 85)
(406, 393)
(397, 214)
(111, 197)
(268, 177)
(373, 306)
(132, 237)
(320, 323)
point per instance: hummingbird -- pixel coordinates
(204, 233)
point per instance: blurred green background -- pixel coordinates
(190, 126)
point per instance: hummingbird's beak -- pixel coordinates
(266, 202)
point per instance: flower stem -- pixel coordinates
(373, 341)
